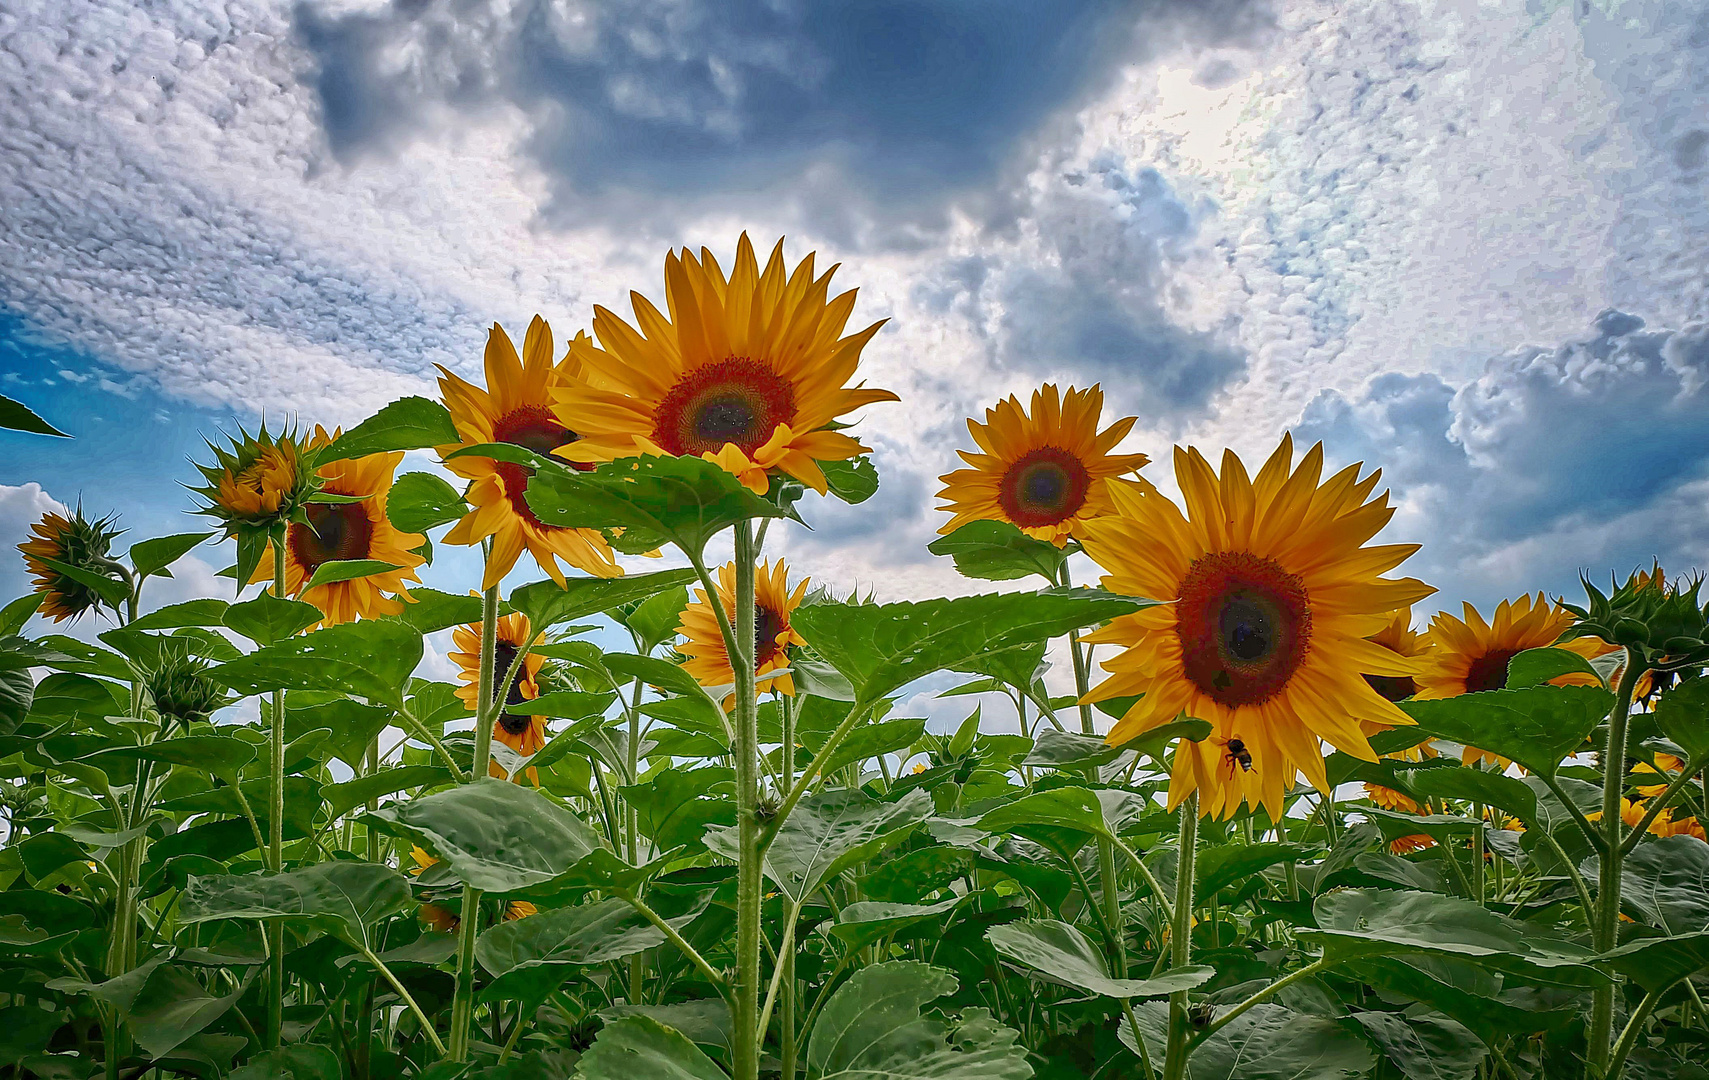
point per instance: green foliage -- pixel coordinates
(406, 424)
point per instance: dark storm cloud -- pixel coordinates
(892, 103)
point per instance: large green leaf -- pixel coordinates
(432, 610)
(17, 697)
(1667, 882)
(528, 958)
(419, 501)
(1657, 963)
(1355, 923)
(866, 921)
(872, 1029)
(348, 898)
(1476, 786)
(299, 1061)
(641, 1048)
(342, 798)
(208, 612)
(827, 833)
(353, 724)
(15, 614)
(165, 1004)
(1061, 951)
(673, 807)
(217, 754)
(854, 481)
(498, 837)
(155, 555)
(998, 551)
(1069, 750)
(1061, 818)
(370, 659)
(1218, 867)
(1534, 667)
(1537, 726)
(1267, 1042)
(330, 573)
(875, 739)
(269, 618)
(881, 647)
(548, 604)
(705, 1021)
(16, 416)
(1683, 714)
(408, 423)
(1425, 1047)
(687, 500)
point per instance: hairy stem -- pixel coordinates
(1181, 938)
(463, 1000)
(276, 833)
(1605, 929)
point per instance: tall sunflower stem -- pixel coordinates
(1181, 937)
(1605, 930)
(749, 881)
(463, 1000)
(276, 834)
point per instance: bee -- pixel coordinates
(1237, 752)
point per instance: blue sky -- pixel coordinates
(1460, 241)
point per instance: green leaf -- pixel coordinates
(268, 618)
(1218, 867)
(1069, 750)
(827, 833)
(705, 1021)
(300, 1061)
(342, 798)
(15, 614)
(1534, 667)
(1657, 963)
(529, 958)
(1683, 714)
(641, 1048)
(1044, 816)
(867, 921)
(16, 416)
(547, 604)
(432, 610)
(353, 725)
(564, 705)
(872, 1029)
(999, 551)
(1667, 882)
(221, 755)
(1536, 727)
(874, 740)
(1061, 951)
(1476, 786)
(112, 591)
(687, 500)
(190, 613)
(370, 659)
(1267, 1042)
(882, 647)
(854, 481)
(328, 573)
(1425, 1047)
(496, 836)
(17, 696)
(44, 853)
(672, 808)
(167, 1005)
(419, 501)
(406, 424)
(154, 556)
(348, 898)
(1354, 923)
(654, 620)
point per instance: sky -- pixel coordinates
(1461, 242)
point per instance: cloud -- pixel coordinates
(1592, 455)
(890, 105)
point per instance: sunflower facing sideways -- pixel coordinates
(344, 531)
(524, 734)
(1275, 591)
(516, 408)
(1470, 655)
(71, 540)
(707, 659)
(1046, 473)
(747, 372)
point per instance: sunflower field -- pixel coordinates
(672, 823)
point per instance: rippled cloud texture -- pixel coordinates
(1460, 241)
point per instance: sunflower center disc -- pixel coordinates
(504, 654)
(1244, 625)
(737, 401)
(1043, 487)
(335, 532)
(532, 427)
(1393, 687)
(767, 625)
(1489, 671)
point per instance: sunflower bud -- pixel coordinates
(74, 542)
(180, 688)
(257, 484)
(1660, 620)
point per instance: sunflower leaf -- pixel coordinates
(1683, 714)
(349, 898)
(154, 556)
(999, 551)
(641, 1048)
(15, 614)
(112, 591)
(687, 500)
(547, 603)
(330, 573)
(371, 659)
(419, 501)
(406, 424)
(872, 1029)
(881, 647)
(1534, 667)
(854, 481)
(529, 958)
(16, 416)
(1476, 786)
(1537, 726)
(828, 833)
(1061, 951)
(430, 610)
(862, 923)
(208, 612)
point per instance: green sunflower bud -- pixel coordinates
(180, 689)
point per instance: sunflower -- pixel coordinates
(709, 662)
(1048, 473)
(256, 481)
(1470, 655)
(348, 530)
(524, 734)
(1276, 593)
(516, 408)
(747, 373)
(1398, 637)
(70, 541)
(1406, 845)
(1669, 763)
(1390, 799)
(445, 920)
(1220, 767)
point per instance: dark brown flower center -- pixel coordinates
(335, 532)
(533, 427)
(1489, 671)
(1244, 625)
(1393, 687)
(767, 625)
(1043, 487)
(504, 655)
(737, 401)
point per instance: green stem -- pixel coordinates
(1261, 996)
(1106, 851)
(1606, 928)
(1657, 805)
(421, 1017)
(463, 1000)
(1629, 1037)
(786, 1008)
(693, 954)
(749, 880)
(1181, 937)
(786, 948)
(276, 833)
(1138, 1039)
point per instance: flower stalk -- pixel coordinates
(276, 832)
(1606, 927)
(463, 1000)
(749, 882)
(1181, 939)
